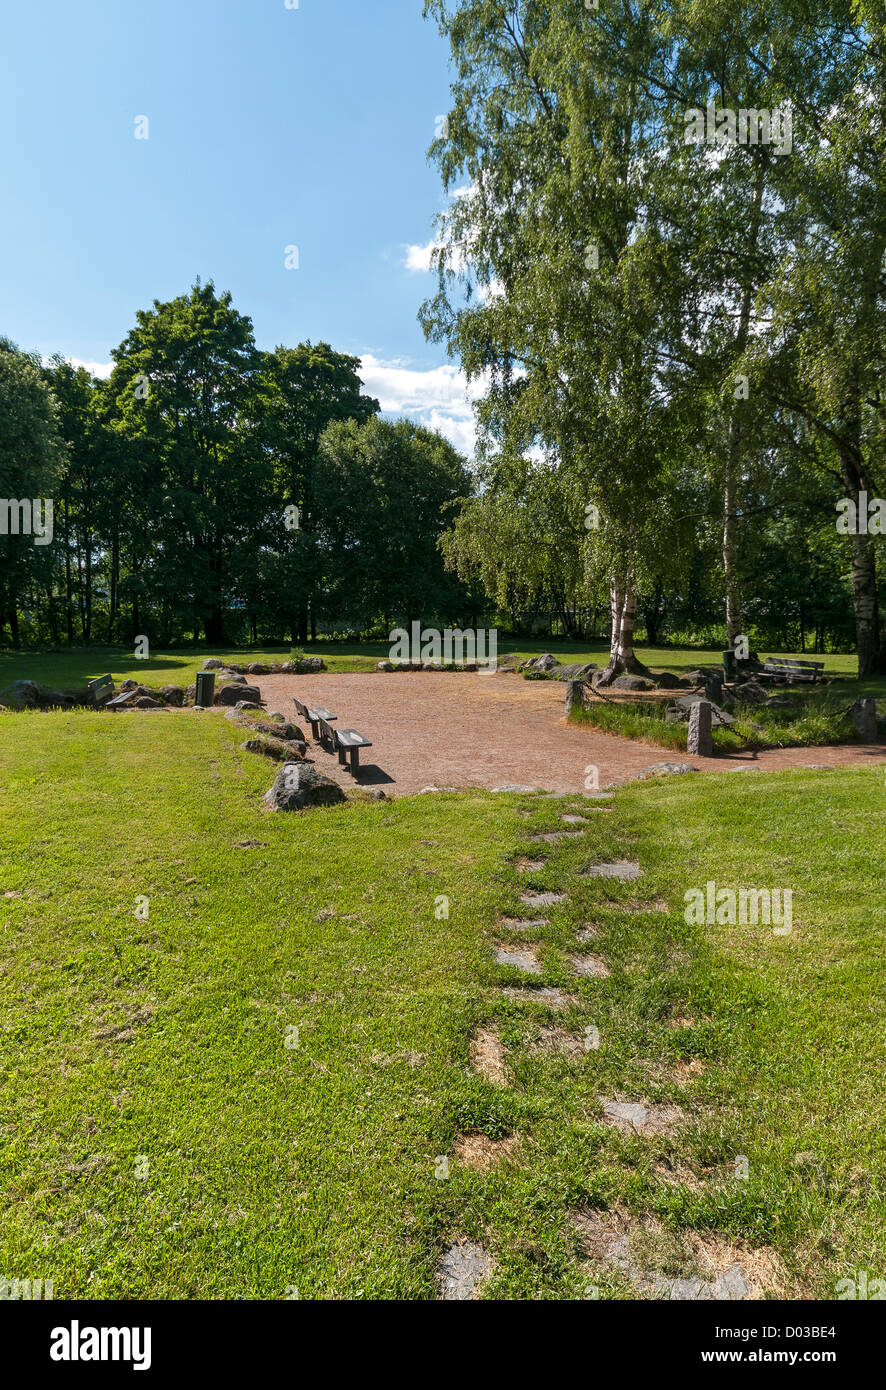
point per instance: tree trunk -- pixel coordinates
(733, 607)
(622, 659)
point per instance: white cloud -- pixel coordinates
(418, 258)
(100, 369)
(438, 397)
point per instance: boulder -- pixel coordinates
(299, 786)
(666, 680)
(145, 702)
(129, 685)
(627, 682)
(752, 693)
(230, 694)
(28, 692)
(385, 666)
(312, 663)
(247, 705)
(545, 662)
(213, 664)
(575, 672)
(281, 750)
(257, 669)
(173, 695)
(664, 770)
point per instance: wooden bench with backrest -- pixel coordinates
(345, 742)
(782, 669)
(314, 717)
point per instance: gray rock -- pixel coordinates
(752, 693)
(519, 959)
(624, 870)
(232, 694)
(515, 787)
(864, 719)
(299, 785)
(536, 900)
(664, 770)
(247, 705)
(666, 680)
(281, 750)
(173, 695)
(545, 663)
(385, 666)
(700, 740)
(213, 664)
(575, 695)
(461, 1268)
(28, 692)
(146, 702)
(257, 668)
(548, 995)
(627, 682)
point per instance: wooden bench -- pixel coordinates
(345, 742)
(315, 717)
(95, 687)
(782, 669)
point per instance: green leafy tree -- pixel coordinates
(32, 457)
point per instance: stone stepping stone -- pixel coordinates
(520, 957)
(575, 820)
(623, 869)
(488, 1056)
(480, 1152)
(641, 1119)
(530, 866)
(550, 837)
(536, 900)
(588, 934)
(590, 966)
(460, 1270)
(547, 995)
(719, 1272)
(557, 1040)
(516, 787)
(523, 923)
(598, 796)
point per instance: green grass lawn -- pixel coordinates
(159, 1139)
(812, 717)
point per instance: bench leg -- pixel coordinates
(355, 761)
(315, 730)
(342, 756)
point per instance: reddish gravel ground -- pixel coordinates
(461, 730)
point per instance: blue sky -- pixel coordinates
(268, 127)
